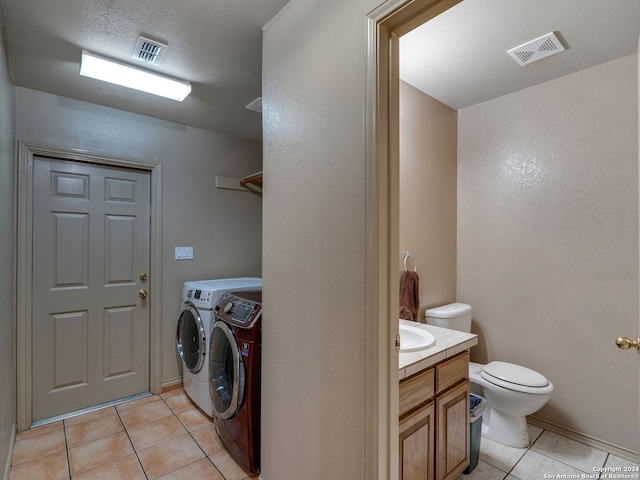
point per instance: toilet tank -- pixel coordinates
(456, 316)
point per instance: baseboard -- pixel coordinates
(172, 384)
(7, 467)
(594, 442)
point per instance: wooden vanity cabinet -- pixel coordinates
(453, 432)
(434, 421)
(417, 426)
(417, 449)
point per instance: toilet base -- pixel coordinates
(505, 429)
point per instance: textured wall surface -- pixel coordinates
(314, 241)
(548, 240)
(223, 226)
(428, 178)
(7, 374)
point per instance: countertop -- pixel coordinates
(448, 343)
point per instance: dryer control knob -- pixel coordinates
(228, 307)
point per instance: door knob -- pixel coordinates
(625, 343)
(142, 294)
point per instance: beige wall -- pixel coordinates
(548, 241)
(428, 151)
(7, 374)
(314, 241)
(223, 226)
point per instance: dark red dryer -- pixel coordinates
(235, 375)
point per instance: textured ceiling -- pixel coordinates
(460, 57)
(214, 44)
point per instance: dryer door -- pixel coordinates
(190, 338)
(226, 372)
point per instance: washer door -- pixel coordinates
(226, 372)
(190, 338)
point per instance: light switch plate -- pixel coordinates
(184, 253)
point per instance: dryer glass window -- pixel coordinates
(226, 372)
(190, 340)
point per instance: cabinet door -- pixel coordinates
(417, 448)
(453, 432)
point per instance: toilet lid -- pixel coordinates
(498, 372)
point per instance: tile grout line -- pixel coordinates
(66, 448)
(193, 438)
(195, 428)
(246, 477)
(530, 448)
(42, 456)
(571, 466)
(523, 455)
(559, 461)
(605, 462)
(135, 451)
(168, 440)
(510, 470)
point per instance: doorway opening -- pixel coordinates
(389, 25)
(385, 26)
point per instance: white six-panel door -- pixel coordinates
(90, 326)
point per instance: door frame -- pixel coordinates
(24, 248)
(384, 27)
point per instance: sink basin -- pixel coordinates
(414, 339)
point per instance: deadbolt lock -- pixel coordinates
(143, 293)
(142, 277)
(626, 343)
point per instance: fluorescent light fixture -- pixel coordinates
(121, 74)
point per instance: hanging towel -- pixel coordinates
(409, 296)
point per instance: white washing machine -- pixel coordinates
(194, 331)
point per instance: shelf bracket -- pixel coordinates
(250, 183)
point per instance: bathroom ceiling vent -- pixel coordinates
(537, 49)
(149, 51)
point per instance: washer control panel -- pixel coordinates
(242, 309)
(200, 297)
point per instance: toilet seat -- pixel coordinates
(515, 377)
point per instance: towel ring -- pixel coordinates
(406, 255)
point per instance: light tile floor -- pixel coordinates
(161, 436)
(167, 437)
(550, 456)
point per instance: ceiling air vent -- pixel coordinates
(149, 51)
(537, 49)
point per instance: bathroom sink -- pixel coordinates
(414, 339)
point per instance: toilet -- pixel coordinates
(512, 391)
